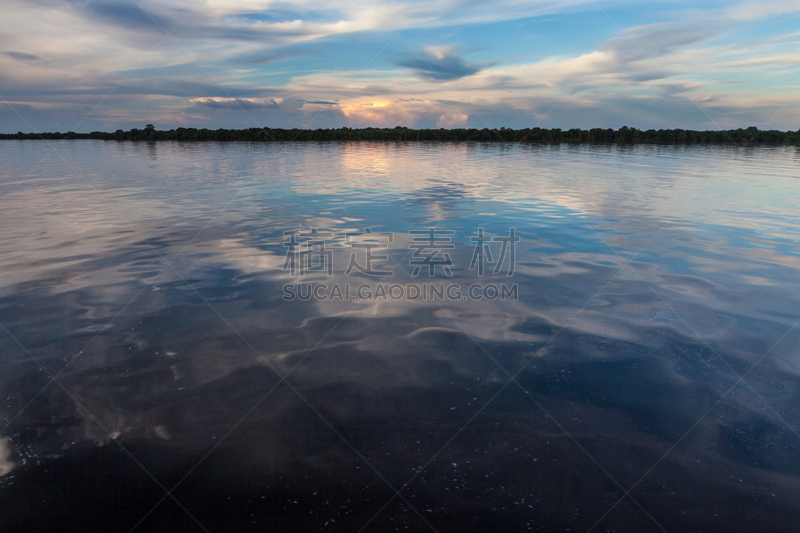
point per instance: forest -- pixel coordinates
(623, 135)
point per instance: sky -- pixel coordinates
(87, 65)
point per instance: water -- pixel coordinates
(157, 375)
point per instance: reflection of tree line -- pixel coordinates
(623, 135)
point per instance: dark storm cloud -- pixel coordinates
(439, 67)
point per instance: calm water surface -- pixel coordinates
(156, 376)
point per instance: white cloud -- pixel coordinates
(65, 57)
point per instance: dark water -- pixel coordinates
(155, 377)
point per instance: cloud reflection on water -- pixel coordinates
(626, 376)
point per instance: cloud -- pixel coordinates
(236, 103)
(673, 89)
(129, 15)
(758, 9)
(280, 112)
(453, 120)
(265, 57)
(643, 55)
(655, 40)
(311, 60)
(20, 56)
(439, 64)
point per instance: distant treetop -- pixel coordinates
(623, 135)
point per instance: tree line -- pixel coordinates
(624, 135)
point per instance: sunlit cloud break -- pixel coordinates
(459, 63)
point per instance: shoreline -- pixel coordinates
(622, 135)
